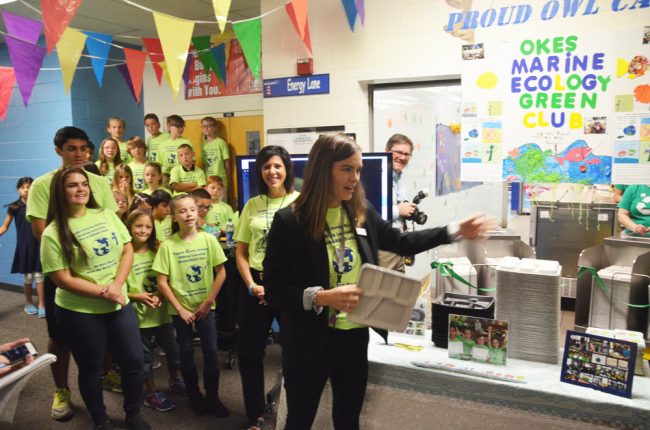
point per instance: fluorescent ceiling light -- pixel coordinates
(6, 1)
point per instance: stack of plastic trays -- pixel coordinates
(447, 284)
(528, 297)
(491, 280)
(608, 308)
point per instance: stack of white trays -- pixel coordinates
(608, 308)
(491, 280)
(528, 297)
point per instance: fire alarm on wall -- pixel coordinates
(305, 66)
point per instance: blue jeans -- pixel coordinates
(207, 330)
(88, 336)
(164, 336)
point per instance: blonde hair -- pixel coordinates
(121, 170)
(103, 162)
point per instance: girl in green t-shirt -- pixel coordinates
(153, 317)
(186, 264)
(109, 157)
(87, 252)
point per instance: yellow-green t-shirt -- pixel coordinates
(167, 156)
(38, 199)
(189, 266)
(180, 175)
(255, 222)
(153, 143)
(163, 228)
(149, 190)
(213, 154)
(349, 270)
(219, 215)
(103, 236)
(110, 172)
(142, 279)
(138, 175)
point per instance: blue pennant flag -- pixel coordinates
(351, 12)
(98, 45)
(219, 53)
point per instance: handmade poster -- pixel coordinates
(478, 339)
(602, 363)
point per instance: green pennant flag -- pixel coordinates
(249, 34)
(202, 46)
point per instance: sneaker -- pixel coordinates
(136, 422)
(178, 385)
(217, 408)
(41, 312)
(112, 382)
(61, 407)
(30, 309)
(156, 364)
(159, 402)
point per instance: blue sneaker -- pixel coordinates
(30, 309)
(41, 312)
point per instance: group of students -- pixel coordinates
(114, 283)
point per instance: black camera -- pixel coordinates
(418, 216)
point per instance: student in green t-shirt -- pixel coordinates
(70, 143)
(167, 150)
(152, 124)
(87, 252)
(220, 212)
(275, 182)
(115, 126)
(153, 317)
(109, 158)
(160, 210)
(186, 264)
(496, 348)
(153, 177)
(137, 150)
(186, 177)
(214, 151)
(634, 210)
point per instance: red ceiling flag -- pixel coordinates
(57, 15)
(7, 79)
(297, 11)
(154, 49)
(135, 63)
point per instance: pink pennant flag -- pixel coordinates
(135, 63)
(57, 15)
(154, 49)
(301, 24)
(26, 58)
(7, 79)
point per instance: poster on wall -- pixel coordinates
(239, 79)
(448, 161)
(298, 140)
(563, 107)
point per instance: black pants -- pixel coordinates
(49, 294)
(88, 336)
(254, 325)
(345, 363)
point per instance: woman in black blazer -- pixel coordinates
(315, 250)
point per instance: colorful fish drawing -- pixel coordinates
(593, 161)
(576, 155)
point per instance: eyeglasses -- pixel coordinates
(402, 154)
(204, 208)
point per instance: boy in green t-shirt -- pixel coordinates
(137, 150)
(167, 150)
(468, 342)
(634, 210)
(160, 210)
(187, 177)
(115, 127)
(214, 151)
(220, 212)
(152, 124)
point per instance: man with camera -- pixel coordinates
(402, 149)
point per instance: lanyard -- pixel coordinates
(266, 213)
(340, 251)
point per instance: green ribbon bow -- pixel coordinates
(446, 269)
(594, 273)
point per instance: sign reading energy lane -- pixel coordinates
(297, 86)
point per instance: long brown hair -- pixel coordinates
(59, 213)
(152, 242)
(103, 162)
(311, 206)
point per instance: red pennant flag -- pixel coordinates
(154, 49)
(135, 63)
(57, 15)
(300, 22)
(7, 79)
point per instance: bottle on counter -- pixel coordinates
(230, 232)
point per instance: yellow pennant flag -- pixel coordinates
(163, 66)
(221, 9)
(69, 49)
(175, 36)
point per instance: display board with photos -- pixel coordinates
(598, 362)
(478, 339)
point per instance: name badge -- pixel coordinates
(361, 231)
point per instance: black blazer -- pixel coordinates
(294, 261)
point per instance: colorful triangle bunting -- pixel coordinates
(202, 46)
(221, 9)
(249, 35)
(361, 10)
(57, 15)
(7, 79)
(23, 28)
(98, 46)
(155, 55)
(124, 71)
(26, 58)
(175, 36)
(69, 49)
(219, 54)
(135, 63)
(306, 38)
(300, 8)
(350, 12)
